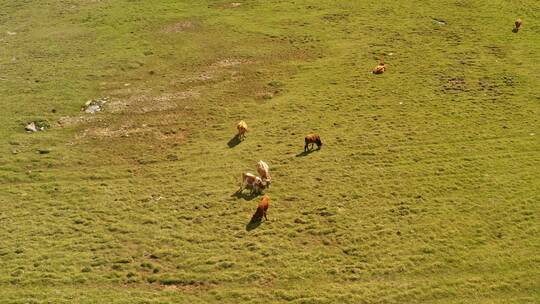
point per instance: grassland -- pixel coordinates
(427, 188)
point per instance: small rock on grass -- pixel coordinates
(38, 125)
(94, 105)
(31, 127)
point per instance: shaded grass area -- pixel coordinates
(425, 190)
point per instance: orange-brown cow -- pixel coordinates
(261, 209)
(379, 69)
(312, 139)
(242, 129)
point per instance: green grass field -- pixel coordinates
(426, 190)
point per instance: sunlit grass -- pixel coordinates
(426, 188)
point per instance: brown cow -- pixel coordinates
(252, 182)
(242, 129)
(312, 139)
(261, 209)
(518, 24)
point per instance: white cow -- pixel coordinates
(262, 168)
(242, 129)
(252, 182)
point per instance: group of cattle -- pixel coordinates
(257, 184)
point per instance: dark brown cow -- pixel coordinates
(518, 24)
(312, 139)
(261, 209)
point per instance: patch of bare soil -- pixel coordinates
(175, 135)
(228, 62)
(231, 5)
(68, 121)
(188, 288)
(215, 71)
(140, 102)
(129, 130)
(127, 100)
(144, 102)
(108, 132)
(180, 26)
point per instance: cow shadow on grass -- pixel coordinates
(256, 219)
(235, 141)
(306, 153)
(245, 195)
(253, 223)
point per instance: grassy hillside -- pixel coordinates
(426, 190)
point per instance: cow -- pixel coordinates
(518, 24)
(262, 169)
(252, 182)
(242, 129)
(379, 69)
(312, 139)
(261, 209)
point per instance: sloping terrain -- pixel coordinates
(426, 189)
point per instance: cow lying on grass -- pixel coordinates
(379, 69)
(312, 139)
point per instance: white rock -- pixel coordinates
(31, 127)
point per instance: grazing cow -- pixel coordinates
(252, 182)
(312, 139)
(379, 69)
(518, 23)
(261, 209)
(242, 129)
(262, 169)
